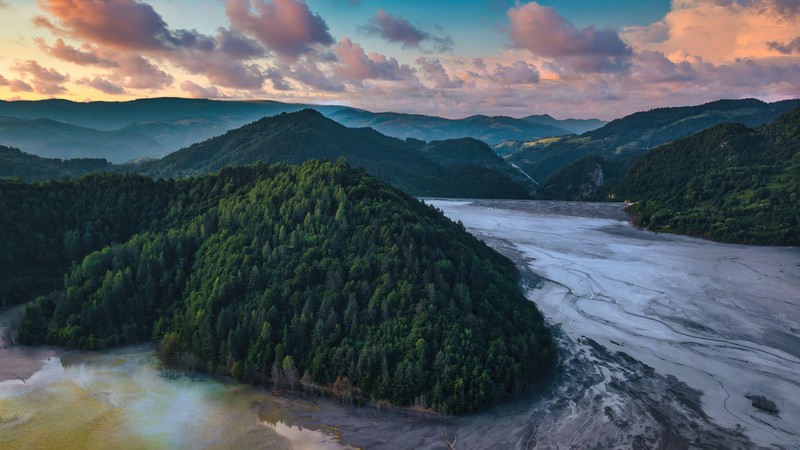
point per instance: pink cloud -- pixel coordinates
(399, 30)
(277, 79)
(519, 72)
(287, 27)
(237, 46)
(86, 57)
(138, 72)
(543, 32)
(222, 70)
(20, 86)
(44, 81)
(356, 65)
(102, 85)
(437, 73)
(654, 67)
(197, 91)
(309, 73)
(119, 23)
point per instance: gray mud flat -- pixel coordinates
(666, 341)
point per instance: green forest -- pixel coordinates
(313, 272)
(729, 183)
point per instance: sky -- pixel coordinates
(453, 58)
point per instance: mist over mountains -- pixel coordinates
(153, 128)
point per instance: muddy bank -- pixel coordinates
(600, 399)
(720, 321)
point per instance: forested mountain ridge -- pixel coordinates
(418, 168)
(634, 135)
(14, 163)
(587, 179)
(318, 269)
(728, 183)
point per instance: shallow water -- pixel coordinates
(119, 399)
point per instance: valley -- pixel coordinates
(648, 356)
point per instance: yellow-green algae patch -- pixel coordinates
(120, 400)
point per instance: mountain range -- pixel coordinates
(633, 135)
(420, 168)
(152, 128)
(451, 168)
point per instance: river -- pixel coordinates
(664, 342)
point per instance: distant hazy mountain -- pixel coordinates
(729, 183)
(121, 131)
(465, 168)
(109, 116)
(633, 135)
(52, 139)
(576, 126)
(16, 164)
(492, 130)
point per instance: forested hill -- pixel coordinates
(729, 183)
(304, 135)
(16, 164)
(273, 272)
(634, 135)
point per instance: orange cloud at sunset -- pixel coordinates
(720, 31)
(700, 50)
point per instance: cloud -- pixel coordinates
(20, 86)
(787, 48)
(124, 24)
(518, 72)
(197, 91)
(277, 79)
(86, 57)
(310, 74)
(237, 46)
(654, 67)
(223, 71)
(44, 81)
(437, 73)
(137, 72)
(357, 66)
(102, 85)
(399, 30)
(3, 4)
(286, 27)
(721, 31)
(540, 30)
(4, 81)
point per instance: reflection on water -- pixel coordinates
(118, 399)
(303, 438)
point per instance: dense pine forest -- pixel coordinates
(729, 183)
(317, 271)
